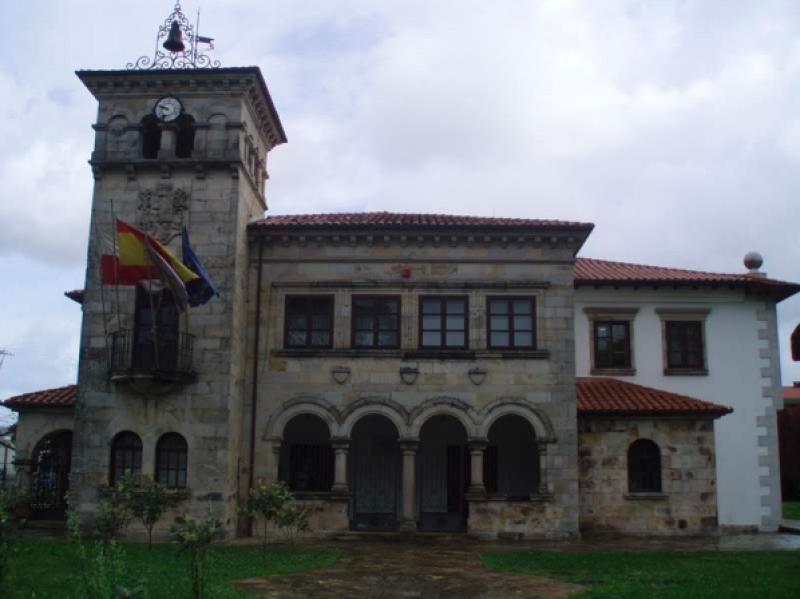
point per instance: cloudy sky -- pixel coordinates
(674, 125)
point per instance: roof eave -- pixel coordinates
(780, 291)
(697, 414)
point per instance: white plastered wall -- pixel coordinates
(747, 491)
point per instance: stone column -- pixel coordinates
(476, 486)
(272, 460)
(409, 516)
(543, 490)
(340, 447)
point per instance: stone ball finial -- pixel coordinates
(753, 261)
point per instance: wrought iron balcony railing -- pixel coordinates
(164, 356)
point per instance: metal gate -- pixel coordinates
(52, 460)
(375, 475)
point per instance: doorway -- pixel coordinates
(375, 471)
(442, 475)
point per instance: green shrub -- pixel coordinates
(10, 524)
(275, 505)
(149, 501)
(194, 538)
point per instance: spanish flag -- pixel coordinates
(140, 257)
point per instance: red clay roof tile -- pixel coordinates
(391, 220)
(62, 396)
(606, 395)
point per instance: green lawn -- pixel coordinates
(663, 574)
(791, 510)
(49, 569)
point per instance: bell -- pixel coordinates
(174, 41)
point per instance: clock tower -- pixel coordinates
(180, 142)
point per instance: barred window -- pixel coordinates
(644, 467)
(126, 457)
(172, 455)
(307, 460)
(309, 322)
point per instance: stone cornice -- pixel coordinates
(246, 81)
(421, 238)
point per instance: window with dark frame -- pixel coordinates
(172, 455)
(309, 322)
(684, 344)
(443, 322)
(126, 457)
(511, 322)
(376, 322)
(644, 467)
(612, 344)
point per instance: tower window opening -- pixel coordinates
(151, 137)
(185, 136)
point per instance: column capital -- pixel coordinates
(409, 444)
(340, 442)
(477, 444)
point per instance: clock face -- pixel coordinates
(168, 109)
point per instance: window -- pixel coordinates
(512, 323)
(306, 457)
(612, 344)
(684, 344)
(376, 322)
(443, 322)
(155, 348)
(126, 456)
(172, 455)
(644, 467)
(309, 321)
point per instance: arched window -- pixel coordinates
(171, 460)
(184, 141)
(644, 467)
(151, 137)
(511, 459)
(51, 464)
(126, 456)
(306, 454)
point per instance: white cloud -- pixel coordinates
(672, 125)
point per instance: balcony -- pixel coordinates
(163, 357)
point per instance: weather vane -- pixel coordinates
(181, 45)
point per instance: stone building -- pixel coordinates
(400, 372)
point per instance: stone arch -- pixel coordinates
(503, 406)
(375, 405)
(451, 406)
(307, 404)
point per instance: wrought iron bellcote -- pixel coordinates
(177, 46)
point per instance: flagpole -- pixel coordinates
(116, 267)
(99, 246)
(153, 319)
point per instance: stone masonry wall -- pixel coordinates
(688, 503)
(215, 200)
(542, 385)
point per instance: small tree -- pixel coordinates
(194, 538)
(150, 500)
(9, 526)
(114, 513)
(102, 563)
(267, 501)
(293, 521)
(275, 505)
